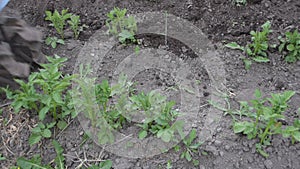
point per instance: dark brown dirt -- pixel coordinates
(222, 22)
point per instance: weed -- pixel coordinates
(58, 21)
(257, 49)
(190, 148)
(74, 23)
(40, 131)
(291, 43)
(53, 41)
(121, 26)
(112, 116)
(264, 118)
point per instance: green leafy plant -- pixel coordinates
(40, 131)
(121, 26)
(58, 21)
(159, 116)
(257, 49)
(118, 103)
(74, 23)
(291, 43)
(45, 92)
(112, 116)
(264, 118)
(53, 41)
(190, 148)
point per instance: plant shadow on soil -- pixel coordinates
(221, 21)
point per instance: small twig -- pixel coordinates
(7, 147)
(5, 104)
(84, 161)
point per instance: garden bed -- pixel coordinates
(222, 22)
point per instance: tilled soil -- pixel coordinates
(221, 22)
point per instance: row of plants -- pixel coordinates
(120, 25)
(59, 21)
(257, 49)
(262, 118)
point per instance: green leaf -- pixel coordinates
(53, 44)
(59, 159)
(43, 112)
(261, 59)
(191, 137)
(142, 134)
(196, 162)
(46, 133)
(34, 163)
(106, 164)
(62, 124)
(247, 63)
(165, 135)
(257, 93)
(60, 41)
(239, 127)
(287, 95)
(290, 47)
(34, 138)
(36, 130)
(234, 45)
(50, 125)
(296, 135)
(188, 156)
(48, 40)
(57, 97)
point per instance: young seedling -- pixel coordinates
(53, 41)
(74, 23)
(257, 49)
(39, 132)
(58, 21)
(291, 43)
(190, 147)
(36, 160)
